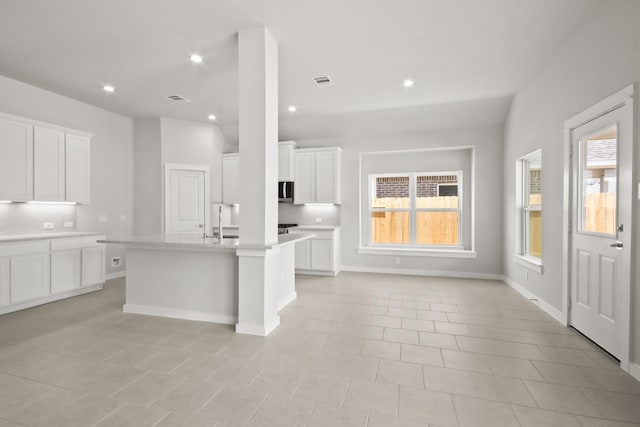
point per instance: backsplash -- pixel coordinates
(27, 218)
(306, 214)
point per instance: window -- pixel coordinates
(530, 237)
(415, 209)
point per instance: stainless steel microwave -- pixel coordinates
(285, 192)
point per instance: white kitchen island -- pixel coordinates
(189, 277)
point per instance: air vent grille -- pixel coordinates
(323, 81)
(179, 99)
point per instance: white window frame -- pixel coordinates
(413, 210)
(523, 210)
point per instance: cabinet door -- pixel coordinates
(16, 161)
(65, 270)
(92, 265)
(231, 180)
(4, 281)
(303, 255)
(321, 255)
(303, 191)
(285, 163)
(29, 277)
(48, 165)
(326, 177)
(78, 168)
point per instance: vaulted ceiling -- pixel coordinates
(467, 57)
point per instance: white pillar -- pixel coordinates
(258, 141)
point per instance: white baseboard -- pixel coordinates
(548, 308)
(49, 298)
(116, 275)
(176, 313)
(634, 370)
(429, 273)
(286, 300)
(260, 330)
(317, 273)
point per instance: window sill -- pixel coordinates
(532, 263)
(441, 253)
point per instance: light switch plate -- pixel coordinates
(68, 224)
(47, 225)
(318, 220)
(103, 218)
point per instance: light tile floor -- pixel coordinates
(354, 350)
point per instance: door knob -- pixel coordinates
(617, 245)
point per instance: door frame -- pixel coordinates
(623, 99)
(170, 167)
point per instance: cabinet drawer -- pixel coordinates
(22, 248)
(75, 243)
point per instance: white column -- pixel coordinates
(258, 141)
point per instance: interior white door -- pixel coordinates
(600, 231)
(187, 201)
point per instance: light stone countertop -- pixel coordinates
(41, 236)
(193, 241)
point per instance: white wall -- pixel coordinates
(195, 143)
(147, 177)
(488, 218)
(163, 140)
(601, 58)
(111, 155)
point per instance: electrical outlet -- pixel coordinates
(397, 260)
(103, 218)
(318, 220)
(47, 225)
(68, 224)
(115, 261)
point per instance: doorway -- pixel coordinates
(598, 219)
(186, 199)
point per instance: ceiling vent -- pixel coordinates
(323, 81)
(179, 99)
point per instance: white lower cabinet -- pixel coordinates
(41, 271)
(5, 283)
(29, 277)
(92, 265)
(320, 254)
(66, 270)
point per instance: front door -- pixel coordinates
(187, 201)
(600, 230)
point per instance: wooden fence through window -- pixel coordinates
(433, 228)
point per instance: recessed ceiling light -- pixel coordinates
(211, 117)
(196, 58)
(407, 83)
(108, 88)
(292, 109)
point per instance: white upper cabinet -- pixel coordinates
(317, 175)
(77, 168)
(285, 160)
(16, 160)
(43, 162)
(231, 179)
(48, 164)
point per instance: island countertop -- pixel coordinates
(193, 241)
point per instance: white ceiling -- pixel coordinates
(472, 53)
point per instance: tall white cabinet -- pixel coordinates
(317, 175)
(16, 160)
(43, 162)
